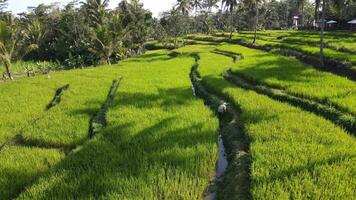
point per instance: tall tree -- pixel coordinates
(256, 21)
(3, 4)
(257, 4)
(230, 6)
(107, 38)
(96, 11)
(184, 6)
(8, 41)
(196, 5)
(138, 22)
(322, 26)
(316, 10)
(210, 4)
(300, 8)
(11, 44)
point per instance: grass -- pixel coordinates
(84, 97)
(295, 154)
(307, 47)
(21, 165)
(159, 142)
(340, 41)
(293, 76)
(63, 126)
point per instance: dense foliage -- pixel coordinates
(77, 35)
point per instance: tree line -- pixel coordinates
(77, 35)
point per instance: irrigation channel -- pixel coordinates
(228, 134)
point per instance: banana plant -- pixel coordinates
(12, 44)
(8, 41)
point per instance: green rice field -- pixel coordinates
(156, 135)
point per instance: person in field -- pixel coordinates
(222, 109)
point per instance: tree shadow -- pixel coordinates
(310, 167)
(281, 69)
(151, 57)
(153, 154)
(163, 98)
(125, 154)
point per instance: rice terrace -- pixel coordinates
(203, 99)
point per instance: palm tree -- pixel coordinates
(322, 23)
(316, 10)
(7, 46)
(256, 4)
(230, 6)
(196, 4)
(12, 44)
(210, 4)
(256, 22)
(96, 10)
(184, 6)
(300, 6)
(107, 38)
(3, 4)
(34, 33)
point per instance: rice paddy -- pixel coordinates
(154, 139)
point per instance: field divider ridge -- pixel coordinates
(235, 56)
(57, 97)
(336, 67)
(237, 175)
(98, 122)
(338, 117)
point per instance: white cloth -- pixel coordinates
(222, 108)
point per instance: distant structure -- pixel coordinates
(295, 22)
(331, 23)
(352, 24)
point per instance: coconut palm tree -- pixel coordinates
(3, 4)
(184, 6)
(7, 46)
(322, 27)
(196, 4)
(256, 22)
(107, 38)
(96, 10)
(12, 44)
(210, 4)
(230, 6)
(256, 4)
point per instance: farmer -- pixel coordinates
(222, 109)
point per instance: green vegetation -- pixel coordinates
(202, 102)
(294, 77)
(294, 153)
(176, 141)
(304, 46)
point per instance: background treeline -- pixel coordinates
(76, 35)
(272, 14)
